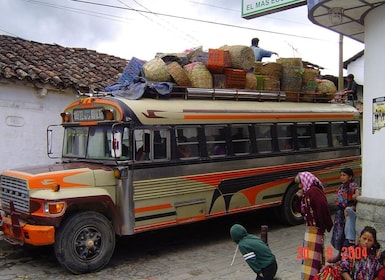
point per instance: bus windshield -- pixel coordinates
(92, 142)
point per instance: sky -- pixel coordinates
(143, 28)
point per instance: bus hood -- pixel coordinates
(63, 175)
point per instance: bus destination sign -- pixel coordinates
(94, 114)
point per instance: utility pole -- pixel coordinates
(341, 64)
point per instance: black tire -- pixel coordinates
(289, 209)
(85, 242)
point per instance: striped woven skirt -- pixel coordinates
(314, 258)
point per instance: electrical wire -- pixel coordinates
(201, 20)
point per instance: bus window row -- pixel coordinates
(189, 142)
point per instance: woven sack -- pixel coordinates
(155, 70)
(251, 81)
(309, 75)
(199, 75)
(271, 83)
(242, 57)
(326, 86)
(292, 71)
(178, 74)
(272, 69)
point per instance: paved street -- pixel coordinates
(201, 251)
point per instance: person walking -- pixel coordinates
(255, 252)
(259, 52)
(316, 212)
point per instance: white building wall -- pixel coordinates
(24, 118)
(373, 148)
(357, 69)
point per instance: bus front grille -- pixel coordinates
(16, 190)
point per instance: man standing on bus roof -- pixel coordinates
(351, 89)
(255, 252)
(259, 52)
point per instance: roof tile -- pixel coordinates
(62, 67)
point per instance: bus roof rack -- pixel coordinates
(225, 94)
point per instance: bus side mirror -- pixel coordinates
(116, 144)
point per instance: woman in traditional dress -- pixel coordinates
(316, 212)
(362, 262)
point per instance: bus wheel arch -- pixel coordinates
(85, 242)
(289, 209)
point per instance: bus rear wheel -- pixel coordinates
(85, 242)
(289, 209)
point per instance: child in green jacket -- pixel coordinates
(255, 252)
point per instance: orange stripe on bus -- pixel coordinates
(214, 179)
(272, 116)
(153, 208)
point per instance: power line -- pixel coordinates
(200, 20)
(190, 38)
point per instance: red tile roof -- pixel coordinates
(61, 67)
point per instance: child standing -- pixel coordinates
(347, 195)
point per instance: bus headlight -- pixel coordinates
(54, 208)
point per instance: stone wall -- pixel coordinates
(371, 212)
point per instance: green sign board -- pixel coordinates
(257, 8)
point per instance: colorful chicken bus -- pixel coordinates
(130, 166)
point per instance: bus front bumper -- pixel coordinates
(16, 232)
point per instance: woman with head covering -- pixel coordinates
(316, 212)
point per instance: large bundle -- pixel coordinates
(292, 70)
(326, 90)
(271, 73)
(155, 70)
(242, 57)
(251, 81)
(179, 74)
(271, 83)
(199, 76)
(271, 69)
(309, 83)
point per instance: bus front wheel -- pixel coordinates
(290, 211)
(85, 242)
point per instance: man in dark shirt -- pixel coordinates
(351, 89)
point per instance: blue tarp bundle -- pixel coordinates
(132, 86)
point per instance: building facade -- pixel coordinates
(363, 21)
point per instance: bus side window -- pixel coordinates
(142, 144)
(285, 137)
(187, 142)
(337, 134)
(160, 144)
(264, 138)
(321, 135)
(353, 133)
(304, 136)
(240, 139)
(216, 140)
